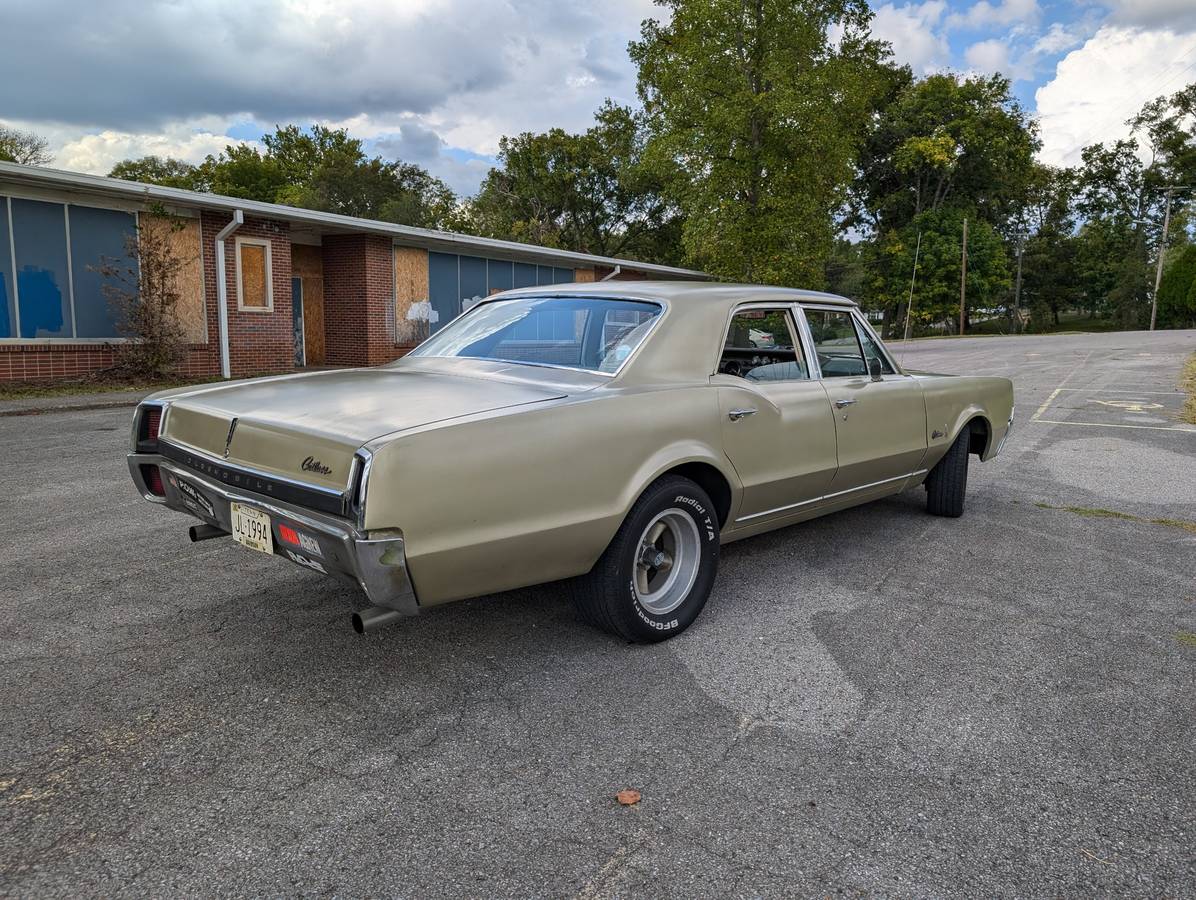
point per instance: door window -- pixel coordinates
(871, 350)
(836, 343)
(761, 346)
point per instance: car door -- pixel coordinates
(778, 430)
(880, 426)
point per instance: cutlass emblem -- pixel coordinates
(311, 464)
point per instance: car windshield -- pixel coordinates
(588, 333)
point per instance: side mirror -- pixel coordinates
(875, 370)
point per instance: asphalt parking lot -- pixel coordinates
(876, 702)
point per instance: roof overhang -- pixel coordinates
(322, 223)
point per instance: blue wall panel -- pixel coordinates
(473, 278)
(97, 238)
(8, 317)
(543, 275)
(442, 286)
(39, 237)
(562, 276)
(499, 275)
(524, 275)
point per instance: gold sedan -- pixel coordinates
(611, 434)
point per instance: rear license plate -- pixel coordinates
(251, 528)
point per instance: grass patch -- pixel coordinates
(1091, 513)
(1187, 382)
(33, 390)
(1186, 637)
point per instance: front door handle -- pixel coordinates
(736, 414)
(842, 403)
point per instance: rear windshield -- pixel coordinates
(574, 332)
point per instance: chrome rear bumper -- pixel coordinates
(375, 561)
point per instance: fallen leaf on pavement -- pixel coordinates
(628, 797)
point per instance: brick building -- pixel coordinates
(300, 287)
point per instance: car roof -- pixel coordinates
(682, 292)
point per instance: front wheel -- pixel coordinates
(655, 576)
(948, 480)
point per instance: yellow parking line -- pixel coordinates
(1046, 403)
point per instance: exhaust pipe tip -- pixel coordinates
(374, 617)
(205, 532)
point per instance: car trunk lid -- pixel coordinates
(308, 427)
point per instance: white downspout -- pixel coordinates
(613, 272)
(222, 290)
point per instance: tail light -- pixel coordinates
(149, 423)
(153, 421)
(152, 476)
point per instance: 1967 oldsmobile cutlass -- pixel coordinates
(611, 434)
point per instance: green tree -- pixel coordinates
(588, 192)
(1045, 227)
(942, 148)
(1177, 292)
(757, 117)
(940, 261)
(163, 170)
(319, 168)
(24, 147)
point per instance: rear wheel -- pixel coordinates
(948, 480)
(655, 576)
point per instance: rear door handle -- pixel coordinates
(736, 414)
(843, 403)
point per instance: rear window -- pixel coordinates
(588, 333)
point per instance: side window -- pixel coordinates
(836, 344)
(871, 351)
(761, 346)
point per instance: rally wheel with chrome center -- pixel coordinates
(655, 576)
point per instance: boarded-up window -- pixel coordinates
(253, 275)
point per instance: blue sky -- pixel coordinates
(438, 82)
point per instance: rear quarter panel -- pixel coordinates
(507, 500)
(954, 400)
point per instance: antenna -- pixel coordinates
(910, 305)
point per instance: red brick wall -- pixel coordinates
(258, 342)
(44, 362)
(359, 305)
(625, 274)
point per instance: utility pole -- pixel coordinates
(963, 278)
(1017, 285)
(1158, 272)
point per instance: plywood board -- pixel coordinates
(411, 286)
(583, 276)
(192, 307)
(307, 264)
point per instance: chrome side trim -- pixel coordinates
(862, 487)
(779, 509)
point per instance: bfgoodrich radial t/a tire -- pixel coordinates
(948, 480)
(655, 576)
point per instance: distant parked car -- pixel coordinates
(611, 434)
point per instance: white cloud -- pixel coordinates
(1176, 15)
(131, 77)
(1007, 12)
(98, 153)
(1100, 85)
(914, 31)
(988, 56)
(1058, 37)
